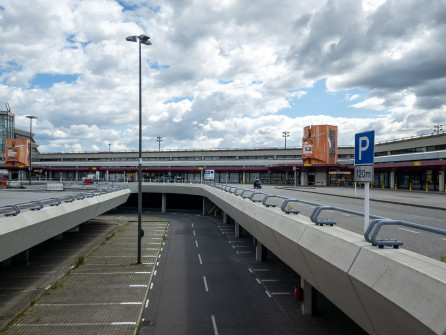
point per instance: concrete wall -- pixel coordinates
(385, 291)
(29, 228)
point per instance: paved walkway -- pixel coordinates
(105, 293)
(434, 200)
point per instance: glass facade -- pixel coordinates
(7, 126)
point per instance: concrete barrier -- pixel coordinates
(385, 291)
(29, 228)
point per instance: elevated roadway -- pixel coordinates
(383, 290)
(28, 228)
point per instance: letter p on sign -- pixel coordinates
(365, 148)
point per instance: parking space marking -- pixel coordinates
(196, 243)
(199, 258)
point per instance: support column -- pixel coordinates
(303, 178)
(441, 181)
(308, 304)
(237, 229)
(76, 178)
(260, 251)
(392, 180)
(244, 177)
(225, 218)
(163, 203)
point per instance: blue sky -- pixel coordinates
(220, 73)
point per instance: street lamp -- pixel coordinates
(144, 40)
(159, 139)
(285, 134)
(438, 128)
(109, 150)
(30, 117)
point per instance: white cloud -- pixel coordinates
(219, 73)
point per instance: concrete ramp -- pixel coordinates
(29, 228)
(385, 291)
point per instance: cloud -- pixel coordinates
(219, 73)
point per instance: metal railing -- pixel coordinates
(35, 205)
(370, 234)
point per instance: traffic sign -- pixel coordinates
(365, 148)
(364, 173)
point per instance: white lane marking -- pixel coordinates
(259, 270)
(148, 263)
(76, 324)
(250, 270)
(214, 324)
(157, 263)
(245, 252)
(94, 304)
(268, 294)
(199, 258)
(151, 285)
(270, 280)
(346, 214)
(142, 285)
(236, 241)
(196, 243)
(194, 232)
(154, 273)
(241, 246)
(258, 281)
(410, 231)
(147, 303)
(192, 225)
(47, 288)
(205, 284)
(443, 238)
(278, 293)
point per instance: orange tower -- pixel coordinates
(319, 144)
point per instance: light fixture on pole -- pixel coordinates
(438, 128)
(30, 117)
(285, 134)
(159, 139)
(143, 39)
(109, 149)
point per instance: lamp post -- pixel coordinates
(438, 128)
(30, 117)
(159, 139)
(109, 150)
(285, 134)
(144, 40)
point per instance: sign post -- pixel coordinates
(364, 158)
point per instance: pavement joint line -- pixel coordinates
(245, 252)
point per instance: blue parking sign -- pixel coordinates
(365, 148)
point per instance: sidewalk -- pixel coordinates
(434, 200)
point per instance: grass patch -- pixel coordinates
(79, 262)
(443, 258)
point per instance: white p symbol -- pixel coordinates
(361, 147)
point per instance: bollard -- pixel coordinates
(382, 186)
(427, 188)
(396, 186)
(298, 293)
(410, 187)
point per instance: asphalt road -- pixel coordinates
(422, 242)
(208, 282)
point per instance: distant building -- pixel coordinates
(8, 130)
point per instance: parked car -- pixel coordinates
(167, 178)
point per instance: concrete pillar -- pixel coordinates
(237, 229)
(244, 177)
(163, 203)
(308, 304)
(207, 206)
(225, 218)
(76, 178)
(303, 178)
(441, 181)
(260, 251)
(392, 180)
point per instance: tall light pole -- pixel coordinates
(438, 128)
(30, 117)
(109, 149)
(144, 40)
(159, 139)
(285, 134)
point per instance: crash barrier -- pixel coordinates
(370, 234)
(35, 205)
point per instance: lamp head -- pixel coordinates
(131, 38)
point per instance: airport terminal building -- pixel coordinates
(418, 162)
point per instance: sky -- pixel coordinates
(221, 73)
